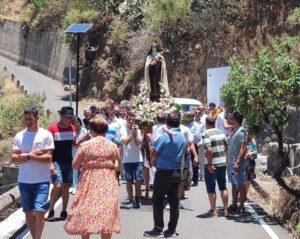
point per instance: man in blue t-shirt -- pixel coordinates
(167, 156)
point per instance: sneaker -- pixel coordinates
(50, 217)
(74, 191)
(211, 213)
(136, 203)
(167, 206)
(63, 215)
(170, 233)
(181, 206)
(155, 232)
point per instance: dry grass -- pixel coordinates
(11, 9)
(9, 89)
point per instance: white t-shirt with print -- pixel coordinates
(131, 152)
(32, 171)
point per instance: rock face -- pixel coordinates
(296, 164)
(261, 163)
(274, 160)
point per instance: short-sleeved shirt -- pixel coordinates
(239, 136)
(171, 150)
(131, 152)
(195, 130)
(32, 171)
(216, 139)
(63, 142)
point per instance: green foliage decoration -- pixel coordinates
(266, 89)
(298, 228)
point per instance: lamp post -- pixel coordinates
(78, 28)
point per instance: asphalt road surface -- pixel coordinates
(192, 224)
(35, 82)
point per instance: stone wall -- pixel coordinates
(41, 51)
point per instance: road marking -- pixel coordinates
(261, 221)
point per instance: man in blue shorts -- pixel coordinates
(32, 150)
(215, 145)
(64, 135)
(237, 162)
(132, 159)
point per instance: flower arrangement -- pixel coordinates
(146, 110)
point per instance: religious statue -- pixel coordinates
(156, 72)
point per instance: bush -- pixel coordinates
(5, 151)
(11, 114)
(44, 15)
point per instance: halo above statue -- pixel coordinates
(150, 40)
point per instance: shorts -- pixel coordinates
(210, 179)
(63, 173)
(34, 196)
(237, 178)
(133, 172)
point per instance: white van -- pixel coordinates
(187, 104)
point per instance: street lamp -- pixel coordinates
(78, 28)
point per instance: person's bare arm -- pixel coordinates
(193, 151)
(17, 157)
(226, 125)
(77, 161)
(128, 139)
(41, 155)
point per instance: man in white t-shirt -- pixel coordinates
(132, 159)
(32, 150)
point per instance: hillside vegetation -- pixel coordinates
(197, 34)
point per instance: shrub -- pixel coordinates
(11, 113)
(44, 15)
(5, 151)
(294, 18)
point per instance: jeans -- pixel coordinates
(166, 182)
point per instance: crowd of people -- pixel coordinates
(88, 157)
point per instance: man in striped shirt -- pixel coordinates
(216, 154)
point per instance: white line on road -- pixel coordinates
(261, 221)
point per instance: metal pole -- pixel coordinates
(77, 74)
(70, 86)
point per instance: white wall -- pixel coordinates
(216, 77)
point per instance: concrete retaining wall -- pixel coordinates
(42, 51)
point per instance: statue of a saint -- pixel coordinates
(156, 72)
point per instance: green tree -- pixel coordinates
(265, 90)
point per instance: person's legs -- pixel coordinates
(160, 189)
(30, 221)
(85, 236)
(173, 200)
(129, 180)
(221, 179)
(40, 206)
(105, 236)
(75, 179)
(234, 195)
(210, 188)
(39, 224)
(54, 195)
(138, 177)
(65, 195)
(195, 169)
(201, 162)
(147, 180)
(247, 187)
(241, 185)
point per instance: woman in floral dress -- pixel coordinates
(95, 209)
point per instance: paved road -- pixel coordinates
(191, 224)
(35, 82)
